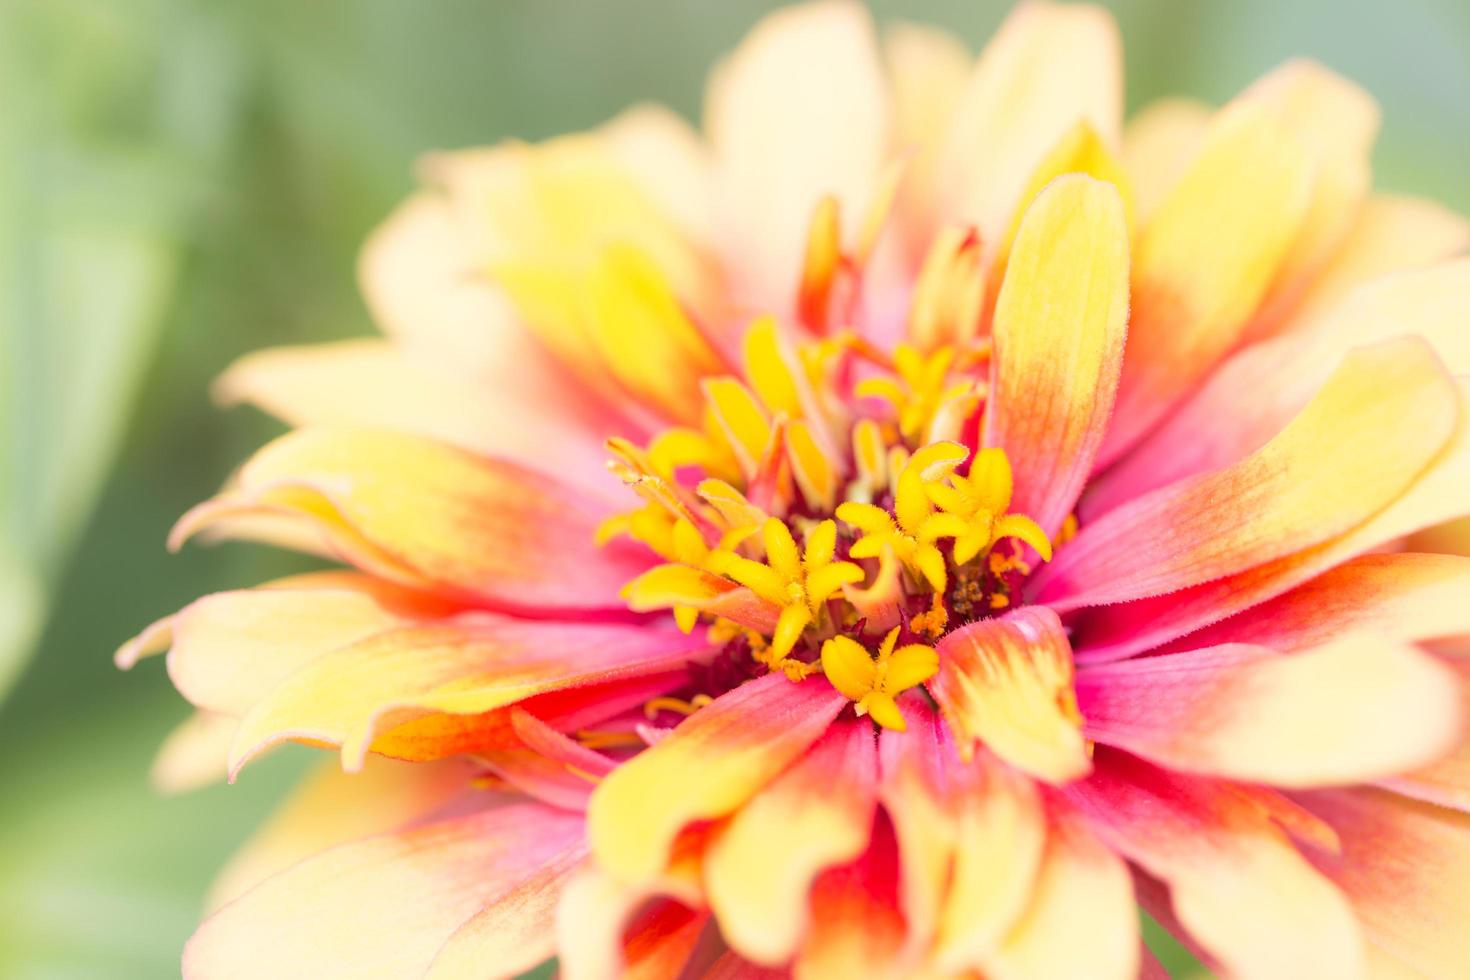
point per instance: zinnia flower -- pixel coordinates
(1004, 530)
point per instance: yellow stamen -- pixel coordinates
(874, 684)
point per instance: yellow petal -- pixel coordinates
(643, 335)
(821, 544)
(928, 69)
(848, 666)
(1001, 835)
(350, 696)
(1080, 151)
(768, 370)
(1060, 323)
(712, 763)
(1158, 144)
(229, 649)
(789, 627)
(825, 581)
(1024, 529)
(1007, 682)
(811, 467)
(409, 892)
(1236, 881)
(1205, 261)
(1083, 891)
(194, 754)
(1432, 302)
(1337, 121)
(817, 814)
(931, 563)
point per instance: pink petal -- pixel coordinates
(1359, 445)
(1236, 884)
(1359, 709)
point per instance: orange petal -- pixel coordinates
(1360, 444)
(817, 814)
(1405, 867)
(330, 807)
(1047, 67)
(377, 383)
(1359, 709)
(427, 515)
(1398, 597)
(349, 696)
(1437, 495)
(1217, 427)
(712, 763)
(1081, 920)
(1204, 262)
(1007, 683)
(1059, 327)
(798, 111)
(406, 892)
(1236, 883)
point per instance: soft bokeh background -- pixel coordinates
(181, 182)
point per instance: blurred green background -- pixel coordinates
(181, 182)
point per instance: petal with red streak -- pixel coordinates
(1219, 424)
(1437, 495)
(1007, 683)
(482, 663)
(434, 517)
(1405, 866)
(1236, 883)
(1404, 596)
(1060, 324)
(1361, 443)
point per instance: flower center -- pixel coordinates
(822, 507)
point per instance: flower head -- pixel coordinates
(868, 540)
